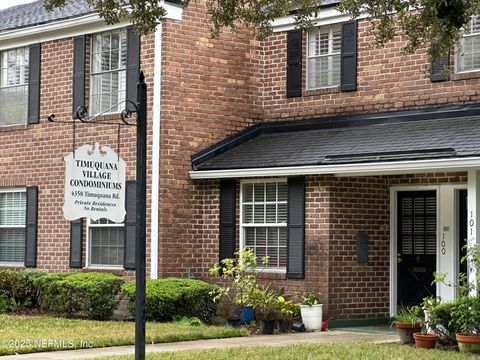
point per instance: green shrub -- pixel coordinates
(90, 294)
(18, 288)
(461, 315)
(4, 304)
(188, 321)
(175, 297)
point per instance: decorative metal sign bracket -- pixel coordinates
(82, 112)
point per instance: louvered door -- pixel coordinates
(417, 245)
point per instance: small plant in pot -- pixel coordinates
(266, 309)
(466, 318)
(311, 311)
(425, 339)
(240, 276)
(407, 322)
(229, 310)
(464, 312)
(288, 311)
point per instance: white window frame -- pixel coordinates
(89, 247)
(458, 51)
(253, 225)
(26, 50)
(99, 73)
(329, 55)
(15, 190)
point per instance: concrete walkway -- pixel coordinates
(265, 340)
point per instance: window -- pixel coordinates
(14, 71)
(468, 55)
(12, 226)
(108, 72)
(323, 57)
(106, 242)
(264, 220)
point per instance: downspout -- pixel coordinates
(157, 87)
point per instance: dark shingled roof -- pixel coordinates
(422, 135)
(35, 14)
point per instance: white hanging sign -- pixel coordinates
(94, 184)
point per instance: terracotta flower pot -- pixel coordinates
(469, 343)
(406, 330)
(425, 341)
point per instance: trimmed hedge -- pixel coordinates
(90, 294)
(18, 289)
(171, 298)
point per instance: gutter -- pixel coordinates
(364, 169)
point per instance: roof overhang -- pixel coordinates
(363, 169)
(59, 29)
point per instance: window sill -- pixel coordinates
(111, 270)
(322, 91)
(466, 75)
(13, 266)
(273, 275)
(17, 127)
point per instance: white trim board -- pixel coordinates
(157, 89)
(364, 169)
(60, 29)
(325, 16)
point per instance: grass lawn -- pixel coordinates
(337, 351)
(19, 333)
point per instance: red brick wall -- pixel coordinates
(359, 289)
(387, 80)
(209, 91)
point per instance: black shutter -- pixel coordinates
(34, 84)
(78, 94)
(348, 62)
(294, 63)
(31, 227)
(76, 243)
(439, 67)
(133, 64)
(228, 194)
(296, 228)
(130, 225)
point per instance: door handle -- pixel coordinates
(399, 258)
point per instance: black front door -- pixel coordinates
(416, 251)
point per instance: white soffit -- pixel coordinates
(325, 16)
(365, 169)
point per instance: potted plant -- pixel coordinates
(407, 322)
(424, 339)
(466, 309)
(311, 311)
(464, 312)
(229, 310)
(240, 276)
(288, 311)
(266, 309)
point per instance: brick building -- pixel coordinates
(339, 160)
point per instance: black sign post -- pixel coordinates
(140, 253)
(140, 108)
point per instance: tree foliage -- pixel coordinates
(432, 24)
